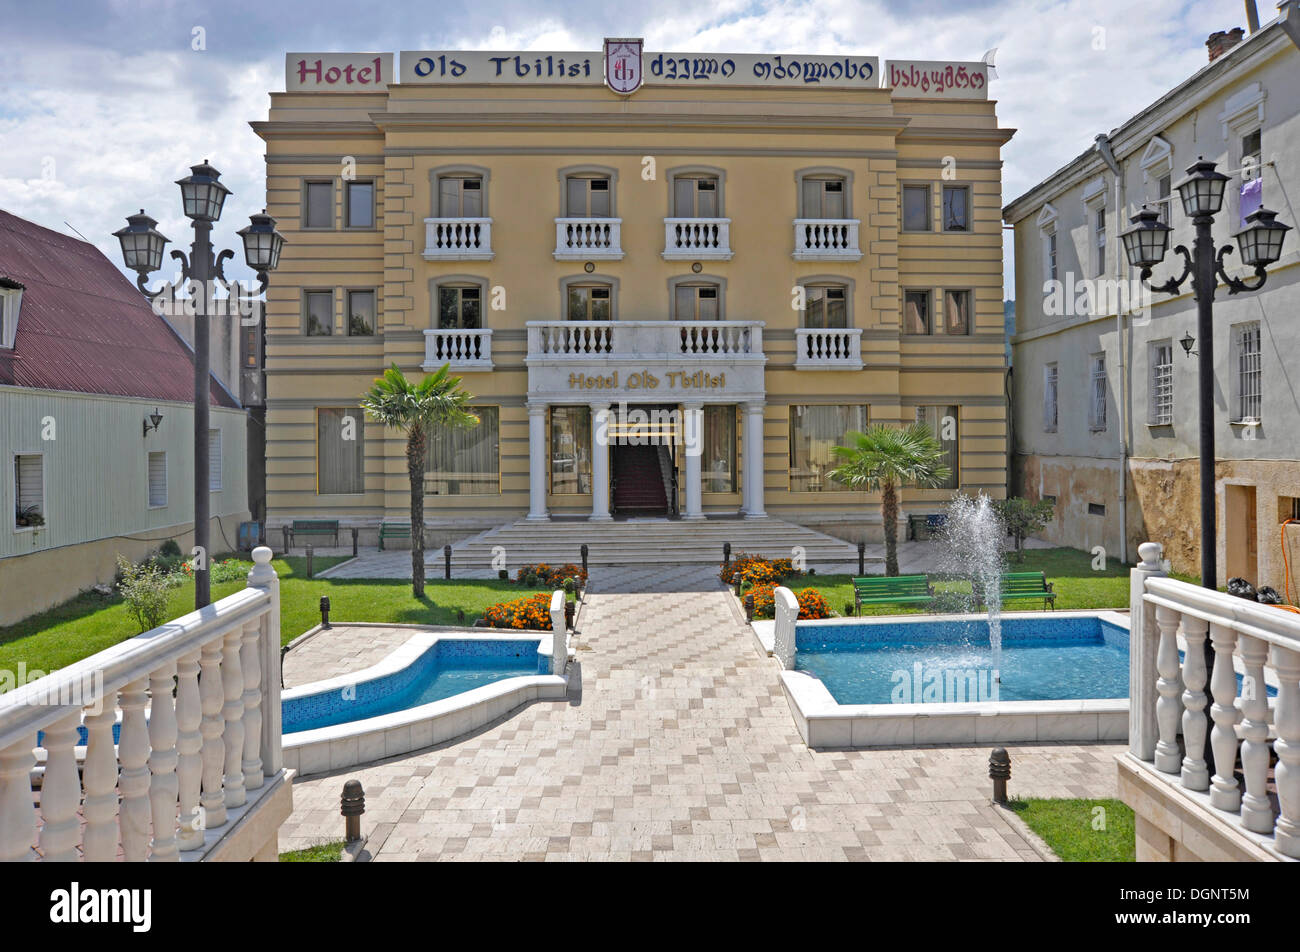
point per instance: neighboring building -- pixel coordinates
(569, 249)
(85, 364)
(1105, 407)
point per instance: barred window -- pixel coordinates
(1250, 378)
(1162, 384)
(1097, 405)
(1049, 398)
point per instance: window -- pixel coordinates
(1162, 384)
(465, 461)
(340, 451)
(956, 208)
(1051, 500)
(587, 197)
(719, 449)
(361, 313)
(695, 302)
(157, 480)
(916, 312)
(318, 205)
(1049, 398)
(1096, 509)
(825, 307)
(956, 312)
(1097, 401)
(1049, 255)
(214, 461)
(1099, 241)
(1288, 507)
(11, 300)
(695, 197)
(1252, 154)
(814, 430)
(318, 312)
(942, 422)
(1164, 196)
(29, 490)
(916, 208)
(1249, 377)
(252, 340)
(570, 450)
(460, 308)
(823, 198)
(360, 204)
(590, 302)
(460, 197)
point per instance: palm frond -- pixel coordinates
(890, 455)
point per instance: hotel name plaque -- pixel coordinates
(644, 380)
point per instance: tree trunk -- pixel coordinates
(415, 471)
(889, 517)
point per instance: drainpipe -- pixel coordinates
(1108, 156)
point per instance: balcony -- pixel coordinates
(697, 239)
(645, 340)
(828, 348)
(458, 239)
(463, 349)
(826, 239)
(588, 239)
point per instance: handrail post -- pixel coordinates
(1143, 639)
(263, 576)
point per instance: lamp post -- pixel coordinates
(1260, 243)
(202, 198)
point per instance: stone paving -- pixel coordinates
(677, 744)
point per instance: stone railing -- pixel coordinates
(828, 349)
(822, 239)
(458, 239)
(463, 349)
(559, 633)
(785, 609)
(194, 753)
(588, 238)
(662, 339)
(1245, 698)
(707, 239)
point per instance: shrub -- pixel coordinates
(503, 574)
(170, 548)
(533, 612)
(553, 575)
(144, 587)
(230, 570)
(849, 609)
(757, 570)
(812, 604)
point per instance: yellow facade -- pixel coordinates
(760, 145)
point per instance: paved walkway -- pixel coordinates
(680, 746)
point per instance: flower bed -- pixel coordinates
(533, 613)
(757, 570)
(553, 575)
(811, 603)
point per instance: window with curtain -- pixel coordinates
(944, 421)
(814, 430)
(460, 308)
(695, 197)
(318, 313)
(587, 197)
(956, 312)
(825, 307)
(696, 302)
(29, 488)
(590, 302)
(460, 197)
(718, 460)
(466, 462)
(916, 312)
(361, 313)
(570, 450)
(340, 451)
(823, 198)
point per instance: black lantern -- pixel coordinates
(1261, 240)
(262, 243)
(1146, 243)
(1188, 342)
(153, 422)
(142, 243)
(1202, 191)
(202, 192)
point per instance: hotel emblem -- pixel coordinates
(623, 65)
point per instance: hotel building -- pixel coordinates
(759, 253)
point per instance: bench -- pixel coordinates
(393, 530)
(314, 527)
(889, 590)
(1027, 585)
(929, 522)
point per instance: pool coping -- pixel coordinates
(338, 746)
(823, 722)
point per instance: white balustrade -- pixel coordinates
(458, 239)
(704, 239)
(786, 612)
(822, 239)
(838, 348)
(588, 238)
(179, 763)
(469, 349)
(559, 633)
(1254, 645)
(659, 339)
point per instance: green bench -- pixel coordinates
(393, 530)
(1033, 585)
(889, 590)
(314, 527)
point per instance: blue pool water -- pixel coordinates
(951, 661)
(447, 668)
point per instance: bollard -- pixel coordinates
(284, 530)
(862, 558)
(999, 773)
(446, 561)
(352, 805)
(726, 555)
(325, 611)
(309, 560)
(749, 607)
(583, 550)
(355, 530)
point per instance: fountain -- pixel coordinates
(973, 542)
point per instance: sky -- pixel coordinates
(105, 103)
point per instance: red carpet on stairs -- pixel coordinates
(638, 483)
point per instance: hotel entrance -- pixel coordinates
(643, 446)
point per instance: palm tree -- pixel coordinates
(417, 408)
(886, 458)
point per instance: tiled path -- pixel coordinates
(680, 745)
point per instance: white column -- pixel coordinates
(537, 461)
(754, 461)
(693, 425)
(600, 463)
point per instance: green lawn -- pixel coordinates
(1081, 831)
(320, 853)
(89, 623)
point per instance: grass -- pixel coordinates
(1081, 831)
(320, 853)
(89, 623)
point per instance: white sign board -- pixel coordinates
(928, 79)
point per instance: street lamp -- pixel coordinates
(1260, 242)
(202, 198)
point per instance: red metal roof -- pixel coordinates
(85, 327)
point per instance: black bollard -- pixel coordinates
(325, 611)
(355, 530)
(309, 560)
(446, 561)
(862, 558)
(726, 555)
(583, 550)
(999, 773)
(352, 805)
(284, 530)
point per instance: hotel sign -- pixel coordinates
(338, 72)
(645, 380)
(924, 79)
(623, 65)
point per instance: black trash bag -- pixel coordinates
(1267, 595)
(1241, 588)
